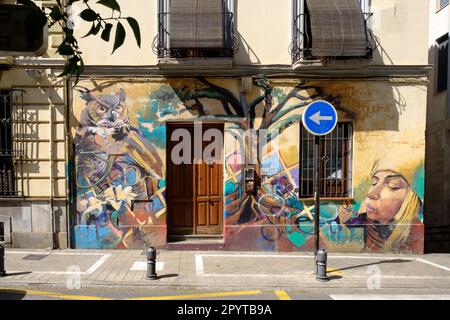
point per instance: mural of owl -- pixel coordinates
(108, 142)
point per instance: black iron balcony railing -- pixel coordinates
(302, 49)
(163, 49)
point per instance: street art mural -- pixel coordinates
(119, 176)
(120, 168)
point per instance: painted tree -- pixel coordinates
(277, 114)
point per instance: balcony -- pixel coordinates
(200, 37)
(330, 31)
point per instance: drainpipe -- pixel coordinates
(54, 231)
(68, 156)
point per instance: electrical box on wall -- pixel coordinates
(20, 34)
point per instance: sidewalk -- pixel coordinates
(205, 270)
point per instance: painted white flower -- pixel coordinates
(93, 206)
(117, 195)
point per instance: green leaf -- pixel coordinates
(88, 15)
(94, 30)
(26, 3)
(112, 4)
(120, 36)
(69, 68)
(56, 13)
(106, 34)
(136, 30)
(65, 50)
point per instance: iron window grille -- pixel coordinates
(301, 48)
(335, 165)
(442, 63)
(163, 45)
(11, 149)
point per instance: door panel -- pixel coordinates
(194, 191)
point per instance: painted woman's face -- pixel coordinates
(386, 196)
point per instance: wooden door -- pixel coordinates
(194, 191)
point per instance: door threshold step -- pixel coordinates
(197, 238)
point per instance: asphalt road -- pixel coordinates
(133, 293)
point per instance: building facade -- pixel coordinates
(438, 131)
(198, 134)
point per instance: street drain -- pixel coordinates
(35, 257)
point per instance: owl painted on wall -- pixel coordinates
(104, 127)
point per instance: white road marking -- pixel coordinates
(98, 264)
(142, 266)
(91, 269)
(433, 264)
(389, 297)
(199, 265)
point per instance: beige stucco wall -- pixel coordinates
(401, 26)
(98, 52)
(44, 126)
(264, 31)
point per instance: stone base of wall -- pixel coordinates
(29, 224)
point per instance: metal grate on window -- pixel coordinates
(195, 29)
(331, 28)
(11, 127)
(336, 167)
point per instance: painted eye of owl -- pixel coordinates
(119, 109)
(101, 109)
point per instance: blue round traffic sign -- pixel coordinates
(320, 118)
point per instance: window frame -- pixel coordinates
(439, 7)
(161, 43)
(347, 176)
(438, 63)
(297, 48)
(14, 155)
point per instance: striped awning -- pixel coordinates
(196, 24)
(337, 28)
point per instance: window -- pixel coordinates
(7, 184)
(11, 125)
(441, 4)
(330, 28)
(336, 164)
(442, 63)
(195, 29)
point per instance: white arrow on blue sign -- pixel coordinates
(320, 118)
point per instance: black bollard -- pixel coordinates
(151, 264)
(2, 261)
(321, 265)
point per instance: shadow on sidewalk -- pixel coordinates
(170, 275)
(16, 274)
(6, 294)
(372, 264)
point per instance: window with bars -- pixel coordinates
(195, 29)
(7, 183)
(331, 28)
(11, 125)
(442, 63)
(336, 162)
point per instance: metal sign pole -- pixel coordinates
(319, 118)
(316, 192)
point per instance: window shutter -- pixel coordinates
(337, 28)
(196, 24)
